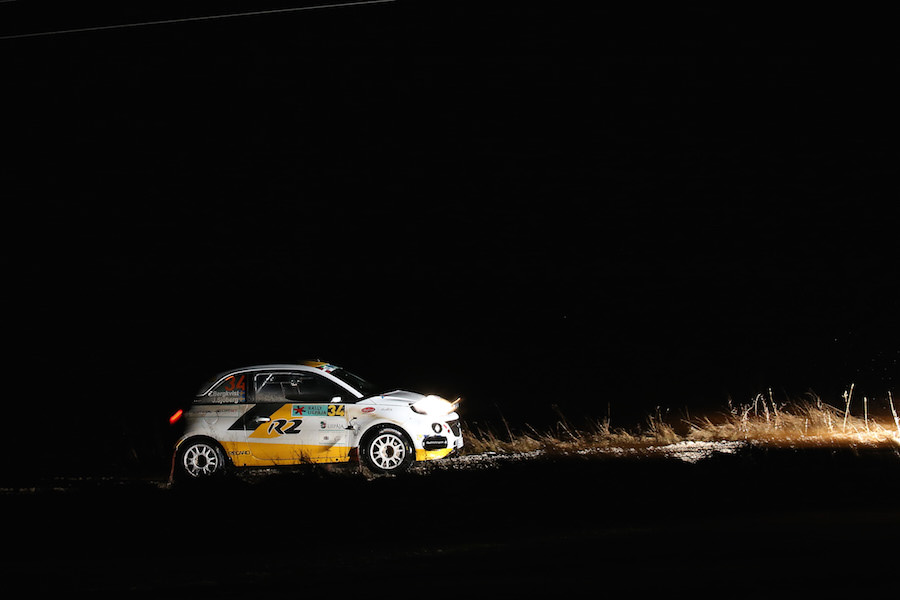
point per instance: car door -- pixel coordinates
(298, 417)
(325, 435)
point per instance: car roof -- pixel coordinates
(309, 366)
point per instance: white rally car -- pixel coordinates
(311, 412)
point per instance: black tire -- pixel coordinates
(387, 450)
(200, 459)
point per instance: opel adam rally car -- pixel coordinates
(314, 412)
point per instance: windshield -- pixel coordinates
(356, 382)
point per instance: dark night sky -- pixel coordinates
(515, 203)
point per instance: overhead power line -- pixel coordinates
(194, 19)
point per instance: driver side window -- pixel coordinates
(294, 387)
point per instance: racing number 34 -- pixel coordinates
(232, 384)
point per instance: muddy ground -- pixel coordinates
(741, 523)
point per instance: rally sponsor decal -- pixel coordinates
(318, 410)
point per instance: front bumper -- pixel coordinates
(434, 445)
(435, 442)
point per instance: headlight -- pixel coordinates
(434, 406)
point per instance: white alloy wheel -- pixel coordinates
(201, 460)
(388, 452)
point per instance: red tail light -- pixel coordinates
(174, 418)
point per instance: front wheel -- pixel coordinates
(387, 451)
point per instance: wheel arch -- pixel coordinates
(374, 428)
(199, 437)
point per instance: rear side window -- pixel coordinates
(231, 390)
(295, 387)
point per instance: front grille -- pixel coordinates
(454, 427)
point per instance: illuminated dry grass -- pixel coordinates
(807, 422)
(564, 437)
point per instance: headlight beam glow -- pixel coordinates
(434, 406)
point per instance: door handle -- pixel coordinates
(262, 419)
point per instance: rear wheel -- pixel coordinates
(201, 460)
(387, 451)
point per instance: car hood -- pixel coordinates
(395, 398)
